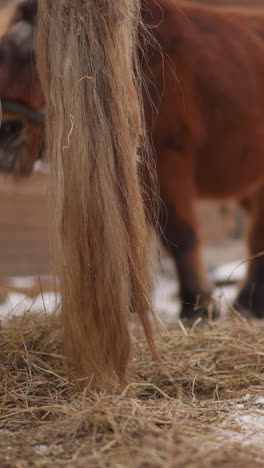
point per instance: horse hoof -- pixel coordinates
(189, 314)
(251, 305)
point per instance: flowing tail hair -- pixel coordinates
(87, 61)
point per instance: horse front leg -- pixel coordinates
(179, 234)
(251, 296)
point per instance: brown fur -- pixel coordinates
(86, 61)
(208, 133)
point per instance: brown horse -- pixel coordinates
(208, 132)
(22, 102)
(203, 98)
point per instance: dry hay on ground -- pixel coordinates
(185, 413)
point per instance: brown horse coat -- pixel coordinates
(205, 113)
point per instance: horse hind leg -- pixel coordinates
(251, 296)
(179, 234)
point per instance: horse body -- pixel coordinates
(229, 161)
(208, 131)
(208, 92)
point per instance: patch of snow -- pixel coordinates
(42, 450)
(13, 306)
(27, 281)
(240, 406)
(247, 397)
(253, 425)
(234, 271)
(18, 304)
(259, 401)
(165, 291)
(224, 297)
(165, 301)
(47, 302)
(247, 429)
(22, 281)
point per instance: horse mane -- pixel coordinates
(88, 68)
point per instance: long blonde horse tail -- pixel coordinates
(88, 69)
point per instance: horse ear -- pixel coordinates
(27, 11)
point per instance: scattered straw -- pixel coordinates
(174, 414)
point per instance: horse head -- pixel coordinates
(22, 102)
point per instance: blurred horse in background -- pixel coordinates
(204, 105)
(202, 70)
(21, 131)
